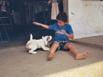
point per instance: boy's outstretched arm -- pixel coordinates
(42, 25)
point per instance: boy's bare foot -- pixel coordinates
(50, 56)
(82, 55)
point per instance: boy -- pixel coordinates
(63, 34)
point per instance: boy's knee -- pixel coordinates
(69, 45)
(57, 43)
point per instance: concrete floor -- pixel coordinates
(16, 62)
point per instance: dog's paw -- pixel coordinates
(32, 52)
(46, 49)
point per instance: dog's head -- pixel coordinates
(46, 39)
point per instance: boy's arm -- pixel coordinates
(70, 36)
(40, 24)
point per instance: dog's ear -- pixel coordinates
(49, 38)
(31, 37)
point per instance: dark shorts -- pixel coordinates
(62, 46)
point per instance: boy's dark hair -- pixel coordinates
(62, 16)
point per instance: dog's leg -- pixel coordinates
(45, 48)
(32, 52)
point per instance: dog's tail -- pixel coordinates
(31, 37)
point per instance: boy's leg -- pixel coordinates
(74, 51)
(53, 49)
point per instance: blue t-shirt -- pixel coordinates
(61, 37)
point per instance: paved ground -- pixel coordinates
(16, 62)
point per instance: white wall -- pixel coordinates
(86, 17)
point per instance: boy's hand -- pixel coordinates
(59, 32)
(36, 23)
(70, 36)
(62, 32)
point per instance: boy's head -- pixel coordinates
(62, 18)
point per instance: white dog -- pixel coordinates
(34, 44)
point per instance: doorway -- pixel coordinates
(23, 12)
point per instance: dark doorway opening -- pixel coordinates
(20, 14)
